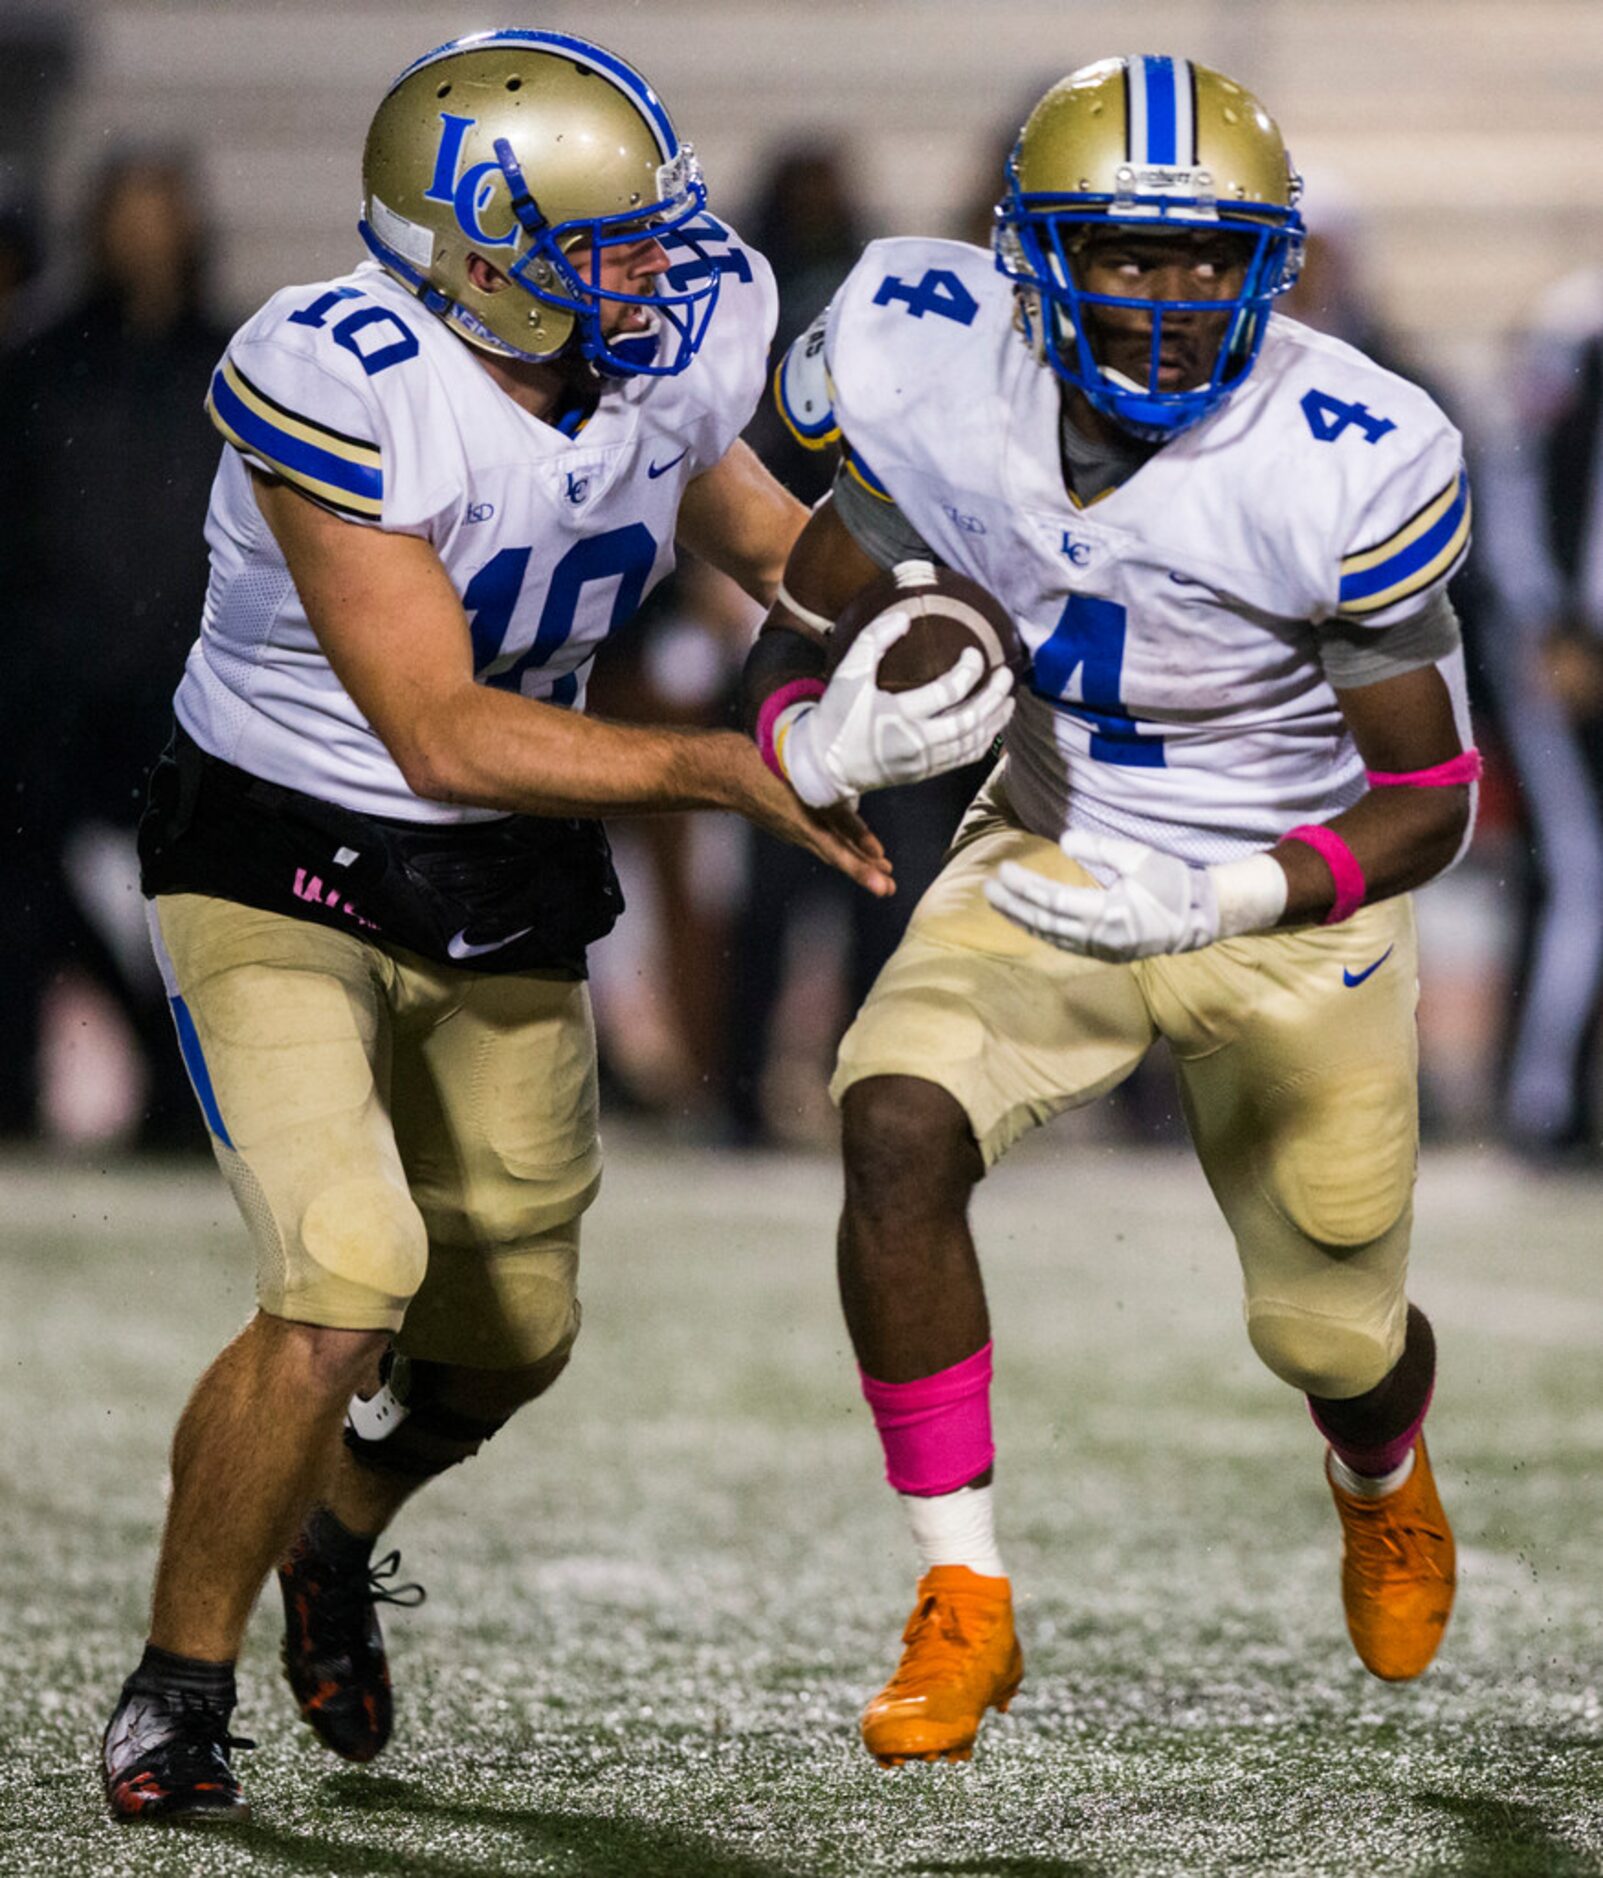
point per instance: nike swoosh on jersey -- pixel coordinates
(1357, 978)
(654, 470)
(459, 946)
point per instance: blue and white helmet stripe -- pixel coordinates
(581, 52)
(1161, 95)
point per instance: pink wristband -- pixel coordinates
(1463, 768)
(773, 707)
(1343, 864)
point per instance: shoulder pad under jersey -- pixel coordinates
(802, 393)
(805, 399)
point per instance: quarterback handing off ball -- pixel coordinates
(922, 665)
(950, 614)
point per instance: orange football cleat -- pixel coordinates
(961, 1659)
(1398, 1570)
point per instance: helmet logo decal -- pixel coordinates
(468, 194)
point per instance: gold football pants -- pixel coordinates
(1297, 1064)
(411, 1144)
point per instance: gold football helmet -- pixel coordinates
(1164, 145)
(539, 152)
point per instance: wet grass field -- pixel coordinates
(657, 1602)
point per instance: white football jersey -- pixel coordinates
(1177, 694)
(355, 395)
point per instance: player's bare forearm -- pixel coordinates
(741, 520)
(1400, 836)
(493, 749)
(393, 629)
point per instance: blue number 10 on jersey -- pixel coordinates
(491, 596)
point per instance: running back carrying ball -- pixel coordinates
(949, 612)
(922, 668)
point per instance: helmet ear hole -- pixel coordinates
(485, 275)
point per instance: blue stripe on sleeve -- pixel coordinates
(294, 453)
(1408, 560)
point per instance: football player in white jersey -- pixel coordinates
(1225, 539)
(371, 853)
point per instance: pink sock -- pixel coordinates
(936, 1431)
(1375, 1462)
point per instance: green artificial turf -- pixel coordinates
(659, 1599)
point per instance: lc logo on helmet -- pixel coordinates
(468, 194)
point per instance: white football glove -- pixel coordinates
(857, 737)
(1155, 903)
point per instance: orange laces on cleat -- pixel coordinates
(1385, 1547)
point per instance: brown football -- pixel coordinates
(950, 614)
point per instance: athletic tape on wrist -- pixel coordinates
(1464, 768)
(774, 706)
(1351, 886)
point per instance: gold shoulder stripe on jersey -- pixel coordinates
(1419, 553)
(344, 472)
(1411, 530)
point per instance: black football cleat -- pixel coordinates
(165, 1757)
(334, 1657)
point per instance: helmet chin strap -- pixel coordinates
(524, 206)
(453, 312)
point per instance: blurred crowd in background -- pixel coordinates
(720, 998)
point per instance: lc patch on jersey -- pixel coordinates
(343, 473)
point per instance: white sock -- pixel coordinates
(1369, 1486)
(955, 1529)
